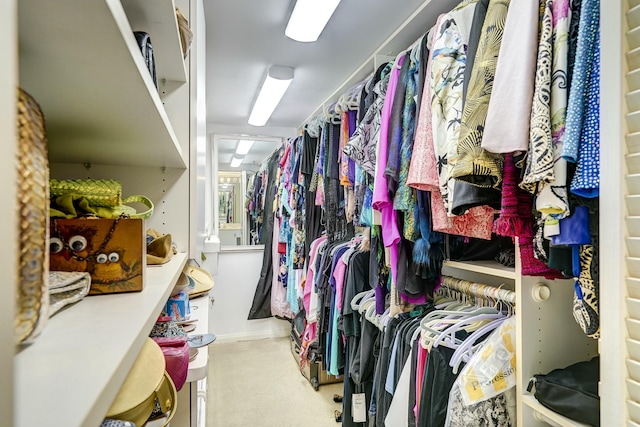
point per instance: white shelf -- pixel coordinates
(200, 307)
(491, 268)
(71, 373)
(548, 415)
(79, 59)
(158, 18)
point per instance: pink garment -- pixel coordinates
(308, 287)
(381, 201)
(423, 169)
(338, 275)
(320, 191)
(477, 222)
(423, 175)
(422, 361)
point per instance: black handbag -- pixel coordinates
(571, 391)
(144, 43)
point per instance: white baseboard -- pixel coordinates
(254, 335)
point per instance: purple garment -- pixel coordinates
(381, 200)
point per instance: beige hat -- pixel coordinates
(202, 279)
(159, 250)
(147, 381)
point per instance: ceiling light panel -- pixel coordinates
(235, 162)
(275, 85)
(244, 146)
(308, 19)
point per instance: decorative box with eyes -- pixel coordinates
(111, 250)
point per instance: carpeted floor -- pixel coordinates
(258, 384)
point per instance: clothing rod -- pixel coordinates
(478, 289)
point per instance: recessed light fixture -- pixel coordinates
(244, 146)
(273, 88)
(308, 19)
(235, 162)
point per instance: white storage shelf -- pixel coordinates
(154, 17)
(491, 268)
(544, 414)
(79, 59)
(71, 373)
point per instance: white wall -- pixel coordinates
(235, 285)
(198, 150)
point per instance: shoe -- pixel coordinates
(337, 398)
(200, 340)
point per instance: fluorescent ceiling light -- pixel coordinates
(235, 162)
(309, 18)
(275, 85)
(244, 146)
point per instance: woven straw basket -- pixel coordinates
(33, 204)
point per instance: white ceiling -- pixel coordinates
(245, 37)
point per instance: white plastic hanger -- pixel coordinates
(469, 346)
(359, 298)
(472, 323)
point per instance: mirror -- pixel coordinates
(239, 159)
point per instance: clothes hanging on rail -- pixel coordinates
(261, 306)
(476, 165)
(416, 158)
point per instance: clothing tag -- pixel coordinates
(358, 408)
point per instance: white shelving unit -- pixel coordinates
(80, 60)
(105, 119)
(547, 336)
(75, 368)
(153, 18)
(192, 399)
(200, 310)
(491, 268)
(546, 415)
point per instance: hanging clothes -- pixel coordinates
(552, 200)
(540, 159)
(261, 305)
(449, 57)
(512, 91)
(423, 175)
(312, 213)
(381, 200)
(475, 165)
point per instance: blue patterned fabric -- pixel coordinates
(586, 181)
(581, 86)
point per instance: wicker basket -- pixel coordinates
(33, 204)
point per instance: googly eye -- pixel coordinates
(55, 245)
(101, 258)
(77, 243)
(114, 257)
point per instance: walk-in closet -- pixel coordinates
(391, 214)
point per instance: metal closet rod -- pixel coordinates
(479, 290)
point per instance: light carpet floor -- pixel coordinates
(258, 383)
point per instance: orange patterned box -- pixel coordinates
(113, 251)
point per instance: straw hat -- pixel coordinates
(147, 381)
(202, 278)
